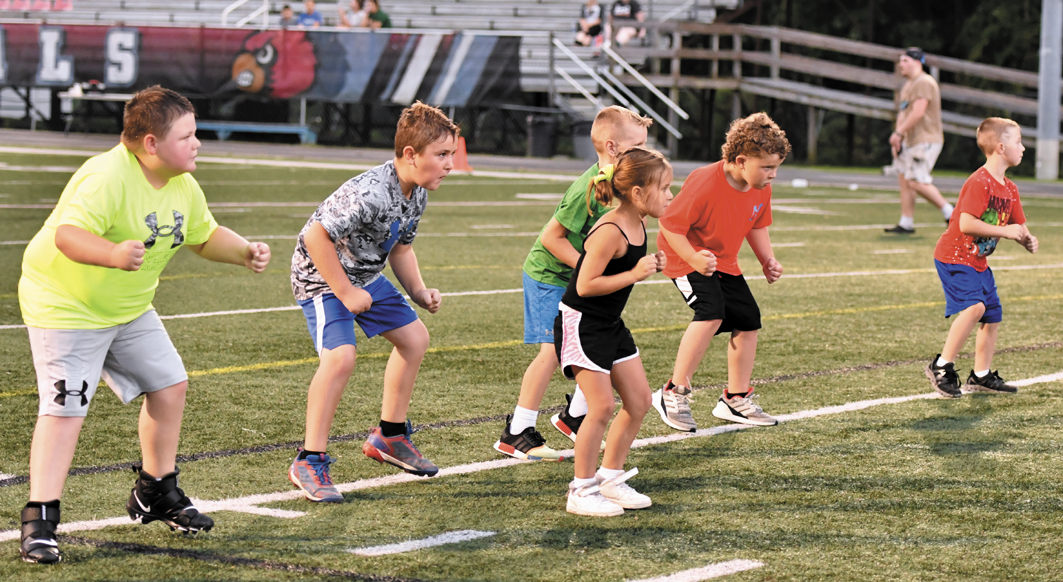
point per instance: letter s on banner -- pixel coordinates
(123, 56)
(54, 69)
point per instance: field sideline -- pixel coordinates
(869, 477)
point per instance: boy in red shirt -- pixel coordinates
(701, 232)
(988, 210)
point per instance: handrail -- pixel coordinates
(593, 75)
(597, 102)
(667, 126)
(677, 10)
(261, 10)
(631, 70)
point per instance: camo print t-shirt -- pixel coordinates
(991, 202)
(365, 218)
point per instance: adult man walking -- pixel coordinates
(917, 141)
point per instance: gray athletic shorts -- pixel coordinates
(134, 358)
(915, 162)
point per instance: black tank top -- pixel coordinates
(612, 305)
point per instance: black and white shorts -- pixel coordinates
(591, 342)
(720, 296)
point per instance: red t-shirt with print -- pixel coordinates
(991, 202)
(714, 216)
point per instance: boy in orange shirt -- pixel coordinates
(988, 209)
(701, 232)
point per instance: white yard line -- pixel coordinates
(707, 572)
(654, 282)
(249, 503)
(451, 537)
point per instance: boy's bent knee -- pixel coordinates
(340, 360)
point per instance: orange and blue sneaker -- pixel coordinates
(312, 476)
(398, 451)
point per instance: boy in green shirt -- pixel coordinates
(546, 273)
(88, 278)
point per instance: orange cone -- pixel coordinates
(461, 158)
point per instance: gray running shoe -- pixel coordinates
(743, 410)
(673, 404)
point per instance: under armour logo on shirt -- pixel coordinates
(756, 209)
(156, 231)
(63, 393)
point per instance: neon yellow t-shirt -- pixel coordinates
(109, 196)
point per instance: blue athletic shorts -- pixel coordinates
(541, 303)
(965, 287)
(331, 324)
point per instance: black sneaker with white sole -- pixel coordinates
(992, 383)
(943, 379)
(528, 445)
(565, 422)
(898, 229)
(39, 521)
(162, 500)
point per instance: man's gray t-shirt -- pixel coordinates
(365, 218)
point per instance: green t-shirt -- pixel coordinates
(109, 196)
(571, 213)
(381, 17)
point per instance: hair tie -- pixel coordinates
(605, 173)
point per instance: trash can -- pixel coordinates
(582, 146)
(542, 136)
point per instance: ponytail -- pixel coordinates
(601, 188)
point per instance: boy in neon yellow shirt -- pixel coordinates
(88, 278)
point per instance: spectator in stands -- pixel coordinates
(589, 27)
(287, 17)
(917, 140)
(374, 16)
(310, 18)
(353, 17)
(624, 19)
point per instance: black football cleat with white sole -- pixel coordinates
(162, 500)
(39, 521)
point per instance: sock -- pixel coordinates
(609, 473)
(392, 429)
(982, 374)
(907, 222)
(578, 406)
(946, 211)
(670, 385)
(522, 419)
(577, 482)
(941, 362)
(728, 394)
(303, 454)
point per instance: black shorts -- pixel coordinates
(720, 296)
(591, 342)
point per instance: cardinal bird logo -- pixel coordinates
(277, 63)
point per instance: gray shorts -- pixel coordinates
(134, 358)
(915, 162)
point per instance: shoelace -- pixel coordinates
(536, 438)
(320, 468)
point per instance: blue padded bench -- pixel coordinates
(224, 129)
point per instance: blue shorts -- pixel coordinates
(541, 302)
(965, 287)
(331, 324)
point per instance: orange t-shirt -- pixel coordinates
(714, 216)
(991, 202)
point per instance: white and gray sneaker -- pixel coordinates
(743, 410)
(622, 494)
(673, 404)
(588, 500)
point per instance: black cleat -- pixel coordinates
(898, 229)
(992, 383)
(162, 500)
(39, 521)
(943, 378)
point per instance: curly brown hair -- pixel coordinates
(756, 136)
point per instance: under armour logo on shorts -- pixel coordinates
(63, 393)
(156, 231)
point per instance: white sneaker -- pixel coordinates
(588, 500)
(622, 494)
(742, 409)
(673, 404)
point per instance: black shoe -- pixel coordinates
(528, 445)
(943, 378)
(38, 533)
(162, 500)
(990, 384)
(900, 230)
(565, 422)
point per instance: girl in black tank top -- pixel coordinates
(592, 343)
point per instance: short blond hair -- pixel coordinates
(991, 132)
(420, 125)
(756, 136)
(611, 121)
